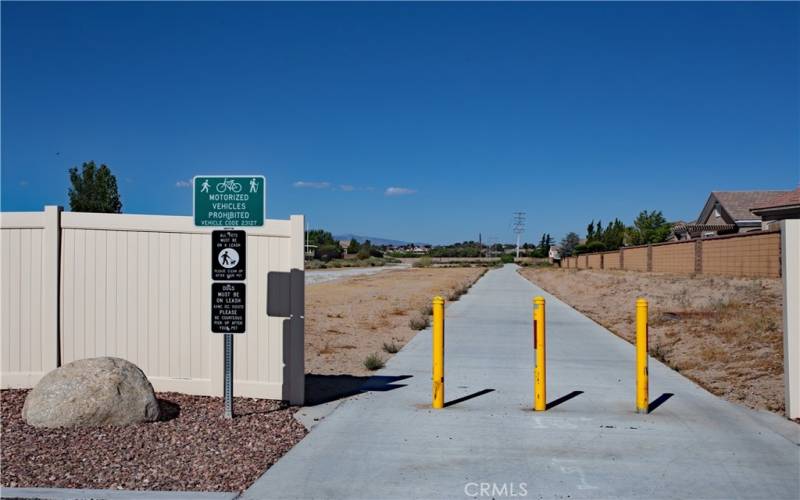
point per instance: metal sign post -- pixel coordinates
(228, 376)
(228, 313)
(229, 202)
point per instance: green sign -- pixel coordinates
(232, 201)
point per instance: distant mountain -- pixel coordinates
(375, 240)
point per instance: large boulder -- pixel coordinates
(92, 392)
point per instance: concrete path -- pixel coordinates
(388, 443)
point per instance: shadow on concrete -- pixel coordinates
(658, 402)
(563, 399)
(467, 397)
(169, 410)
(322, 389)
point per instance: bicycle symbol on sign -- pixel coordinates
(229, 185)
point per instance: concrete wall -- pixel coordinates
(138, 287)
(753, 255)
(635, 259)
(611, 260)
(745, 255)
(675, 258)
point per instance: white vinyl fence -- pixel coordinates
(79, 285)
(791, 315)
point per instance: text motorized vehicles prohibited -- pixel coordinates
(229, 201)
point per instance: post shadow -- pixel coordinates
(326, 388)
(563, 399)
(658, 401)
(468, 397)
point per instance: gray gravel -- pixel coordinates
(323, 275)
(197, 450)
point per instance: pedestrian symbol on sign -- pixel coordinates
(228, 255)
(228, 258)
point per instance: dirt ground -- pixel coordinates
(723, 333)
(193, 448)
(349, 319)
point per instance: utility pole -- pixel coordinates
(490, 241)
(519, 226)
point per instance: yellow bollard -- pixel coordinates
(438, 352)
(642, 389)
(540, 371)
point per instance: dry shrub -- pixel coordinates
(391, 347)
(423, 262)
(374, 362)
(419, 322)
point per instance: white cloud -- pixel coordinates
(183, 184)
(347, 187)
(312, 185)
(398, 191)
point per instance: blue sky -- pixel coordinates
(426, 122)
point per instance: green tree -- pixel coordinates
(568, 244)
(598, 233)
(93, 190)
(648, 227)
(580, 249)
(595, 246)
(327, 252)
(320, 237)
(365, 251)
(354, 247)
(544, 245)
(614, 235)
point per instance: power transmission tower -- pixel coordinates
(518, 226)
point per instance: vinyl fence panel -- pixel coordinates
(138, 287)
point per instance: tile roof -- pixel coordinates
(786, 199)
(738, 204)
(696, 230)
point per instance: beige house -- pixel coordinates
(727, 212)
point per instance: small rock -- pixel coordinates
(670, 316)
(92, 392)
